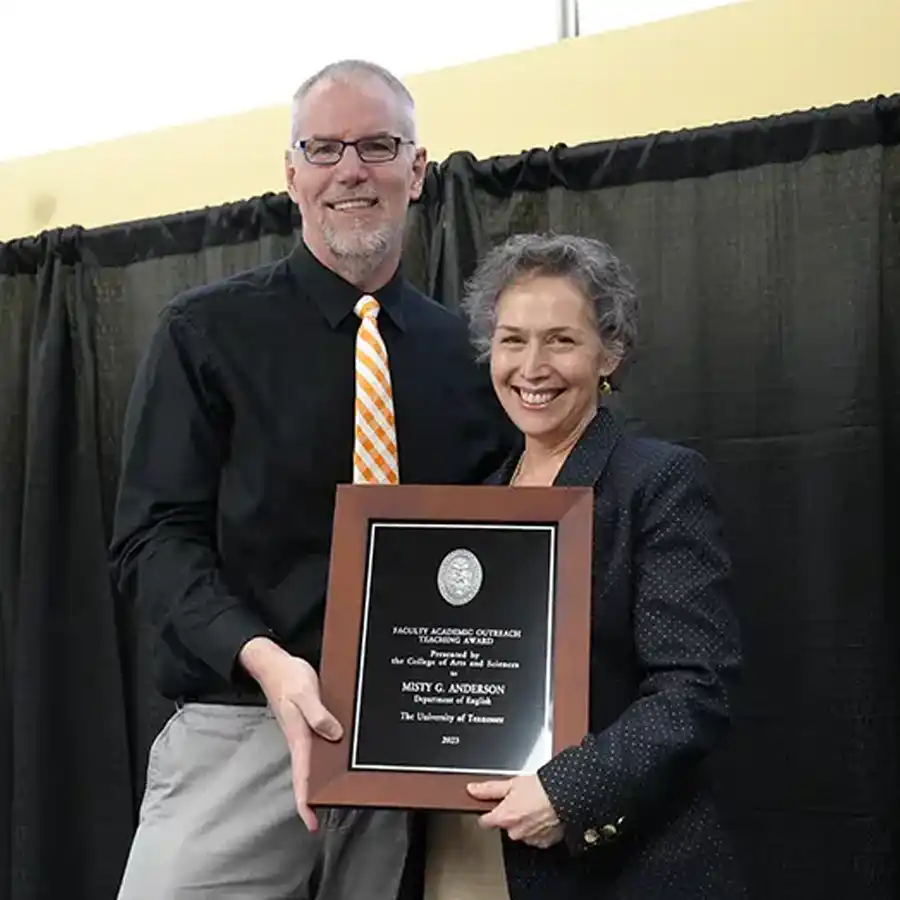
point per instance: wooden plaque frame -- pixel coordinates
(332, 782)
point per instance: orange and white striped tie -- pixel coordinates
(375, 458)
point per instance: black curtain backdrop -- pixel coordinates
(768, 257)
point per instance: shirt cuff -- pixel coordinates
(226, 635)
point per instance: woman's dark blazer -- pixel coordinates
(665, 654)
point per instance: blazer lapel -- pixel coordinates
(504, 474)
(588, 458)
(586, 461)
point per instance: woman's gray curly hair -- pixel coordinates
(588, 263)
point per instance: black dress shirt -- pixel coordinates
(239, 428)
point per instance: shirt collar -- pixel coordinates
(336, 297)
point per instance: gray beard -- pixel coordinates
(360, 252)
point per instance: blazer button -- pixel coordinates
(610, 832)
(591, 836)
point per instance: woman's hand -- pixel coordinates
(523, 811)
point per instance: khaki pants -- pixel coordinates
(218, 820)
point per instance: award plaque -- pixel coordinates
(456, 641)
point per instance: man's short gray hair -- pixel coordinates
(588, 263)
(348, 71)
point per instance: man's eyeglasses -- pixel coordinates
(328, 151)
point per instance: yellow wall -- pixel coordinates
(752, 59)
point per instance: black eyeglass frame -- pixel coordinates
(397, 141)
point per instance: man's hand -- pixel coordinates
(291, 687)
(524, 811)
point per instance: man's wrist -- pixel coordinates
(260, 656)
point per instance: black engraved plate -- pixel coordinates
(456, 651)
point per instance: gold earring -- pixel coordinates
(605, 386)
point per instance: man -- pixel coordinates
(257, 396)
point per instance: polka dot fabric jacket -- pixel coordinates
(641, 821)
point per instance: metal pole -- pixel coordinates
(567, 19)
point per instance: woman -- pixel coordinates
(628, 813)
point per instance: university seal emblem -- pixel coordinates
(459, 577)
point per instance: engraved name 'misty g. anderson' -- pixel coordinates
(453, 687)
(459, 577)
